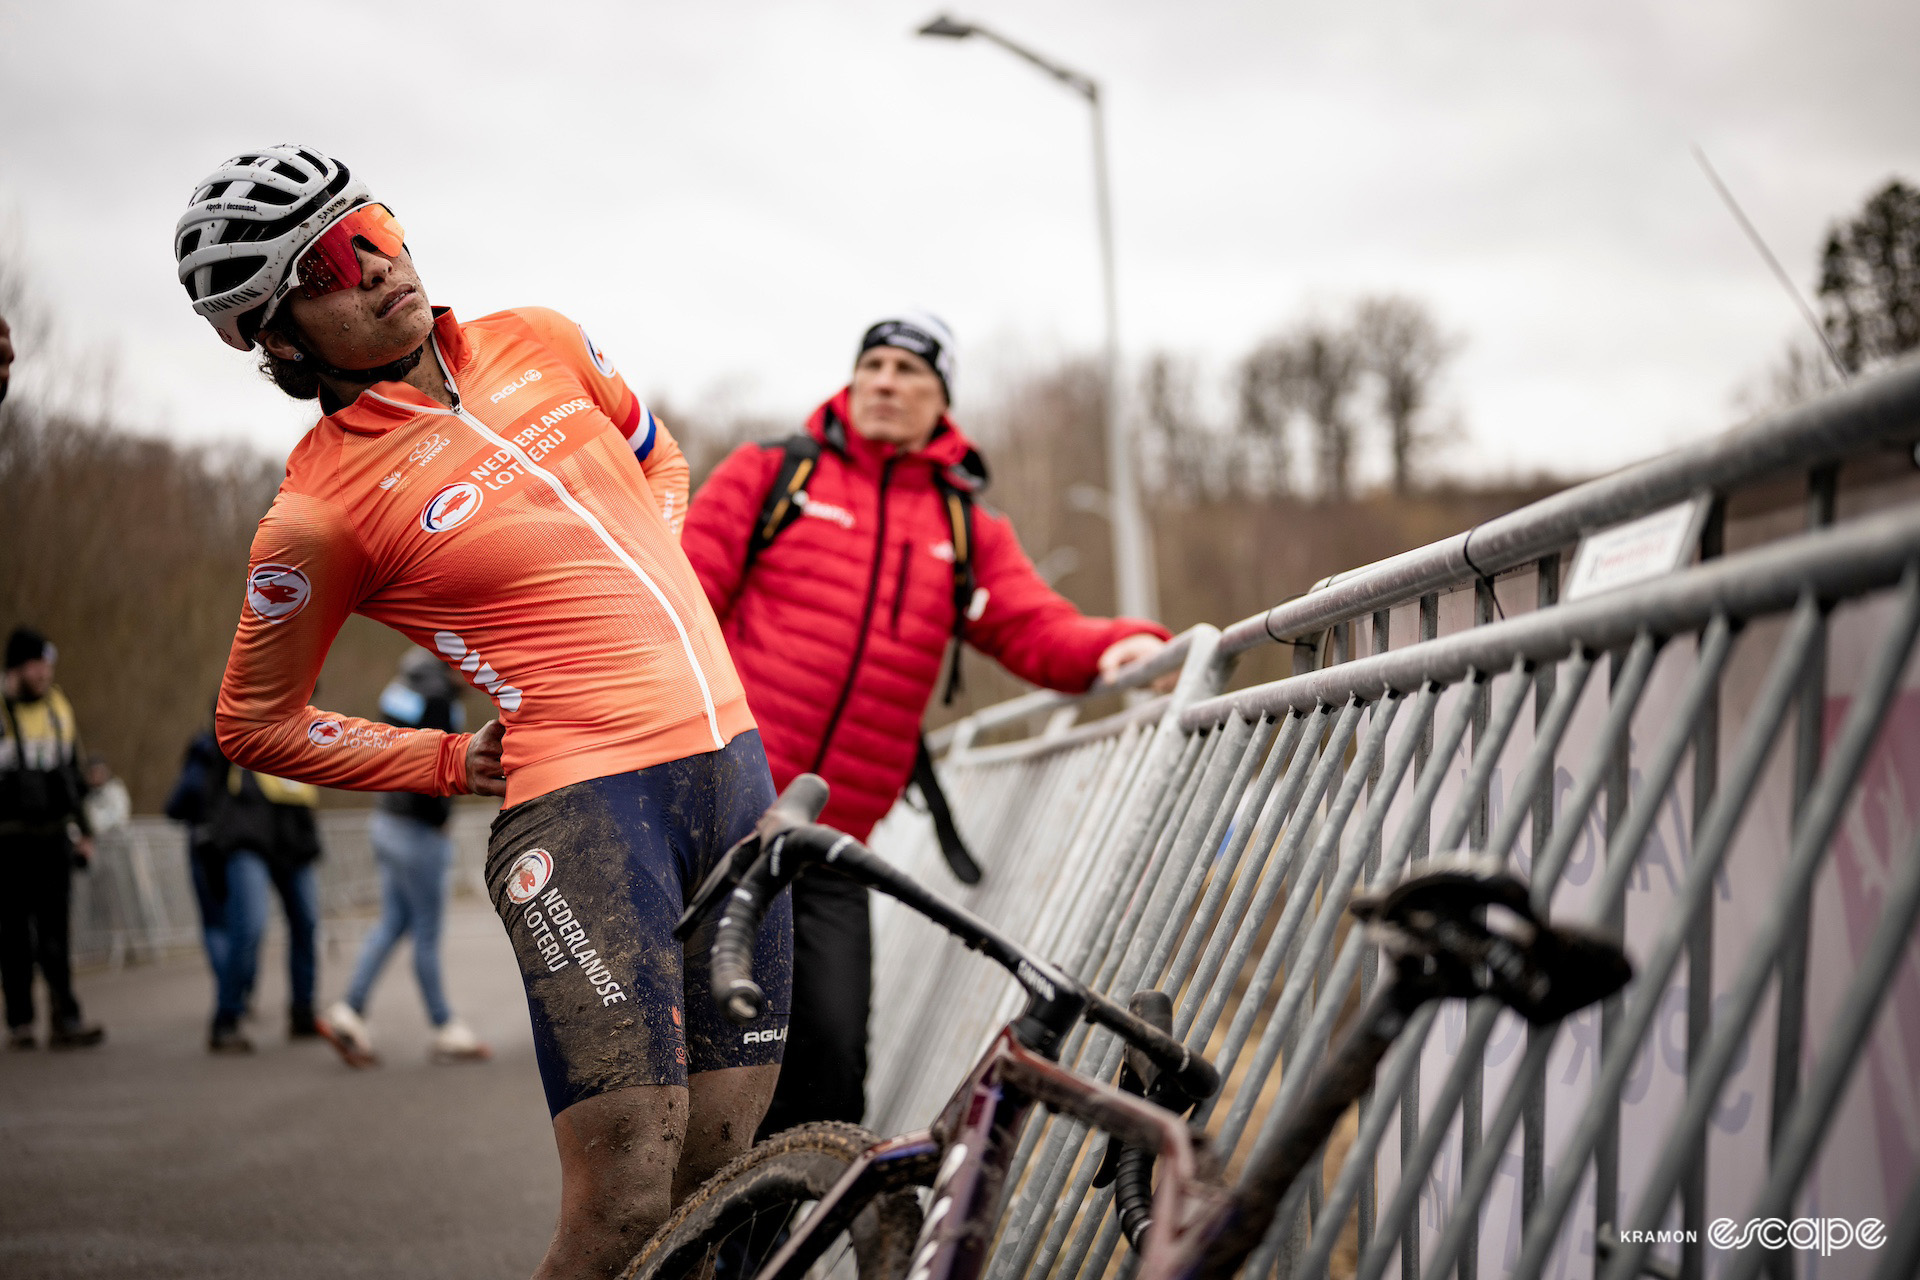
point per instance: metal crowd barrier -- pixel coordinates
(1720, 765)
(136, 903)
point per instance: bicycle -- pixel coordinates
(1461, 928)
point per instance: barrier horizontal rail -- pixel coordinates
(1206, 843)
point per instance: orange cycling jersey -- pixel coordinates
(529, 535)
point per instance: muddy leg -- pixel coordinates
(618, 1152)
(726, 1108)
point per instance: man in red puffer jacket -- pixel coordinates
(838, 629)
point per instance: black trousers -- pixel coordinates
(34, 924)
(823, 1074)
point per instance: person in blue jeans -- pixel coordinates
(252, 878)
(410, 844)
(251, 836)
(187, 803)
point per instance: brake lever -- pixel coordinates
(1139, 1076)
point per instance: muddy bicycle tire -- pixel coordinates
(749, 1202)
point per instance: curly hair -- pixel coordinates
(298, 378)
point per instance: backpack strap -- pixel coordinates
(968, 601)
(781, 507)
(959, 861)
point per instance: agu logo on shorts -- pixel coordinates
(452, 506)
(275, 592)
(324, 733)
(529, 875)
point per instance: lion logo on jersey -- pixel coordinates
(600, 359)
(529, 875)
(451, 507)
(275, 592)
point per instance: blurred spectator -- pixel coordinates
(254, 832)
(411, 846)
(41, 803)
(109, 807)
(840, 626)
(6, 356)
(188, 803)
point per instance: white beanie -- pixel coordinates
(921, 332)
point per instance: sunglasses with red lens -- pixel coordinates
(332, 262)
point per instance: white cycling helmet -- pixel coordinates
(247, 224)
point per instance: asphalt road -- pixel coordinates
(147, 1157)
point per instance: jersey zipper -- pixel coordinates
(866, 618)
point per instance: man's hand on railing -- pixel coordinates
(1128, 650)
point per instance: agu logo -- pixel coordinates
(324, 733)
(529, 875)
(275, 592)
(450, 507)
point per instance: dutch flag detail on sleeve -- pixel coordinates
(640, 430)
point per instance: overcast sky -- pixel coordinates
(726, 194)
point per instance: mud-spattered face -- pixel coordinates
(385, 317)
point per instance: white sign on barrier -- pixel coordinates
(1638, 550)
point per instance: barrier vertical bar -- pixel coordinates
(1790, 1019)
(1706, 777)
(1485, 609)
(1533, 1132)
(1606, 1154)
(1370, 960)
(1410, 1091)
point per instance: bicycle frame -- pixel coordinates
(973, 1143)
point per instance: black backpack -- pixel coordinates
(782, 506)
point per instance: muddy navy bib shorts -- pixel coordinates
(590, 880)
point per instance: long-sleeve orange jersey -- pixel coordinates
(516, 535)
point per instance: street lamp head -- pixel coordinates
(945, 26)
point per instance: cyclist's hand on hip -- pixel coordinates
(485, 777)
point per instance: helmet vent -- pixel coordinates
(231, 274)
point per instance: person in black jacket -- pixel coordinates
(252, 835)
(411, 845)
(187, 803)
(41, 794)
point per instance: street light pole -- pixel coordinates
(1132, 565)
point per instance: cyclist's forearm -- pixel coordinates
(345, 752)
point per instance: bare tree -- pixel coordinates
(1403, 347)
(1319, 365)
(1191, 460)
(1870, 279)
(1264, 403)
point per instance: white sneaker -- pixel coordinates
(455, 1042)
(347, 1032)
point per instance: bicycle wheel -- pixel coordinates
(739, 1216)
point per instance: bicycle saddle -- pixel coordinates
(1465, 927)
